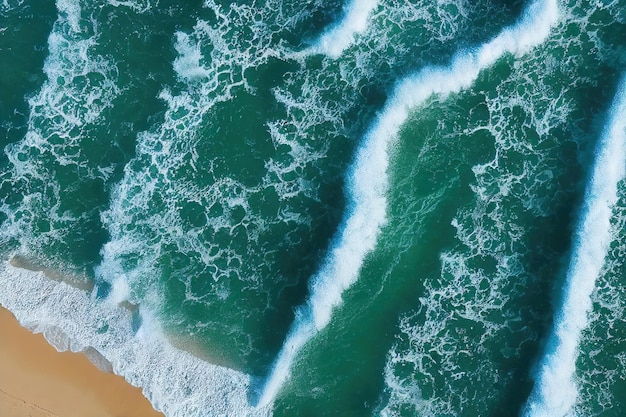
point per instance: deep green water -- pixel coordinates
(226, 168)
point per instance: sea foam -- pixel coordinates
(555, 392)
(367, 179)
(341, 35)
(79, 87)
(176, 382)
(10, 5)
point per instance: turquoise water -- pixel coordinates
(322, 208)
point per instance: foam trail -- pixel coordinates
(340, 36)
(367, 179)
(555, 390)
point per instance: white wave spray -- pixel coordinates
(555, 392)
(341, 35)
(368, 182)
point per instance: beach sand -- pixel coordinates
(38, 381)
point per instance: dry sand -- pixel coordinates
(38, 381)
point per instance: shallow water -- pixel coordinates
(319, 208)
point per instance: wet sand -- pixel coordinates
(38, 381)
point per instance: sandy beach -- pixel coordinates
(38, 381)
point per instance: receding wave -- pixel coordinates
(176, 382)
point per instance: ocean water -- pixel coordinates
(322, 208)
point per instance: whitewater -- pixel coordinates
(368, 178)
(329, 208)
(556, 391)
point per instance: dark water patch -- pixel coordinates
(141, 44)
(512, 8)
(22, 51)
(266, 76)
(236, 132)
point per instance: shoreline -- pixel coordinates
(38, 381)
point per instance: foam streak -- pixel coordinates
(555, 392)
(368, 182)
(340, 36)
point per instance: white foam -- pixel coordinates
(187, 65)
(9, 5)
(367, 179)
(65, 96)
(120, 290)
(139, 5)
(555, 392)
(340, 36)
(72, 10)
(177, 383)
(137, 232)
(59, 116)
(599, 370)
(210, 65)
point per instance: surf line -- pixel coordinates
(555, 392)
(367, 180)
(342, 34)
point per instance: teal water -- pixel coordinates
(322, 208)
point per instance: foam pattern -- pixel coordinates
(368, 182)
(556, 391)
(175, 381)
(484, 284)
(602, 341)
(80, 86)
(182, 218)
